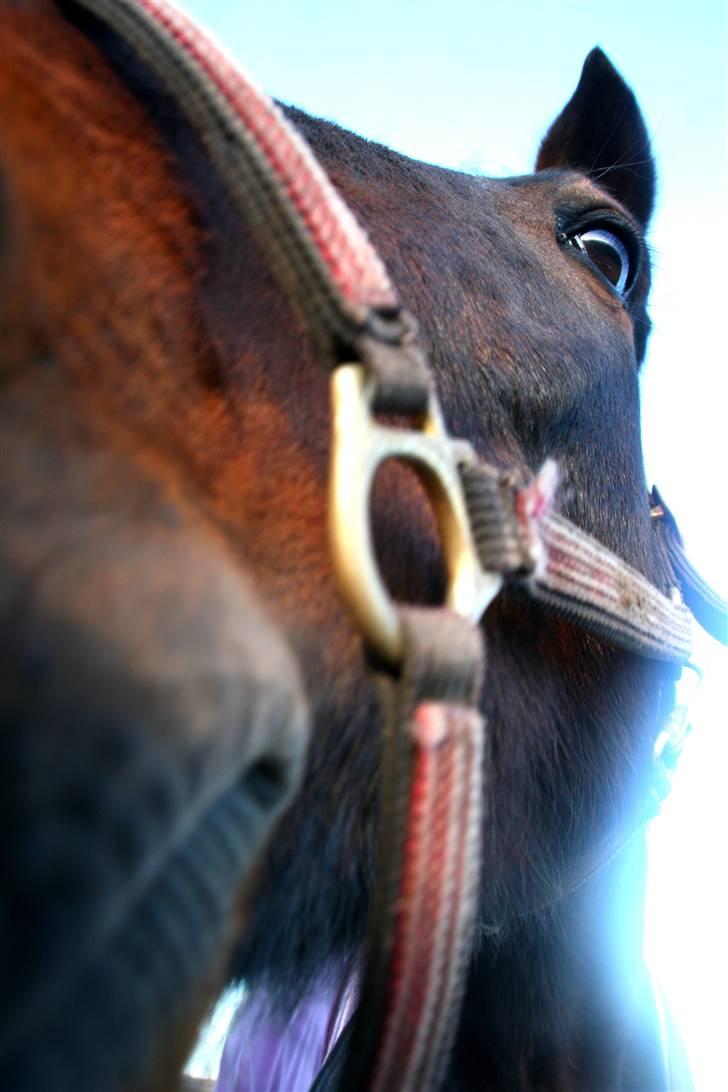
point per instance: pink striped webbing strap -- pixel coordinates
(311, 241)
(553, 562)
(588, 583)
(428, 860)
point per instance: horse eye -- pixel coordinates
(607, 252)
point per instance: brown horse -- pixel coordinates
(172, 632)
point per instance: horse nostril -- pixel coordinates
(127, 809)
(266, 781)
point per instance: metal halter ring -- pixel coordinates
(360, 445)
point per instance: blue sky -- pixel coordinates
(473, 85)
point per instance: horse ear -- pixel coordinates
(601, 132)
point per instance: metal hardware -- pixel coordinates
(360, 445)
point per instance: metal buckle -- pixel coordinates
(360, 445)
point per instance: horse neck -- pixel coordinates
(562, 999)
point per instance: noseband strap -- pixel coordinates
(550, 560)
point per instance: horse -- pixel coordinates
(190, 755)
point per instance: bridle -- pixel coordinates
(495, 532)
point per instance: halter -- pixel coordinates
(495, 532)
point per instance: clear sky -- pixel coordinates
(473, 85)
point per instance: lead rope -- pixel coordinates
(425, 900)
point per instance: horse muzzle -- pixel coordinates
(153, 729)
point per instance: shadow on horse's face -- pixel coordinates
(171, 625)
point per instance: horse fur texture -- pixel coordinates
(172, 633)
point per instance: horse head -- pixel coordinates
(172, 630)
